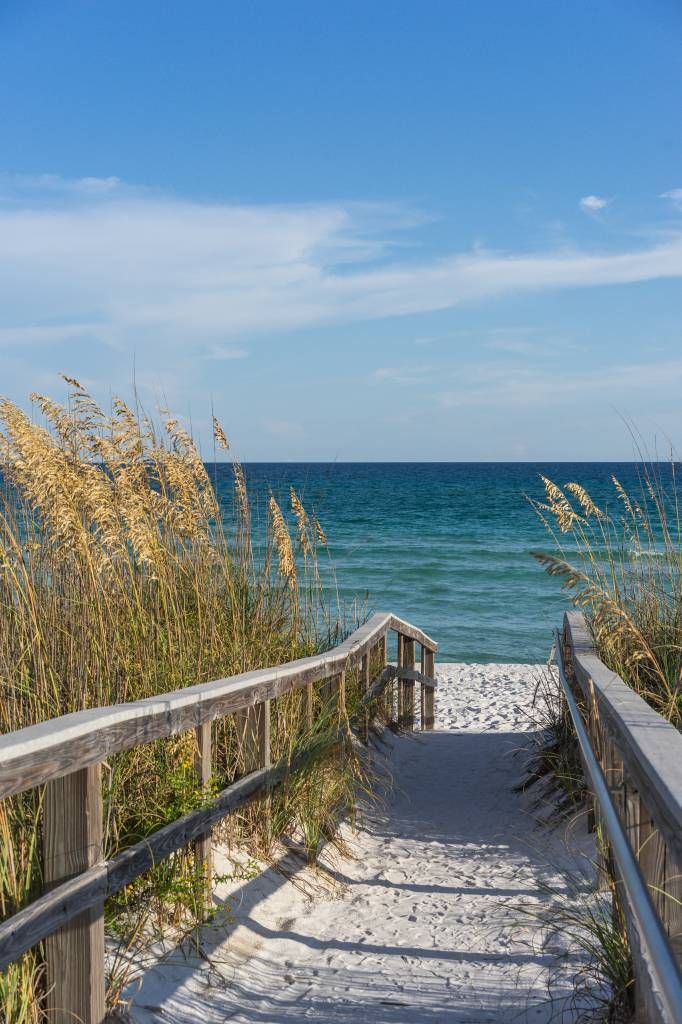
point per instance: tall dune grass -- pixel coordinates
(118, 581)
(623, 563)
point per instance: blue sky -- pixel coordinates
(360, 230)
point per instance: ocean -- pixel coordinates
(443, 545)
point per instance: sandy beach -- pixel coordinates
(421, 923)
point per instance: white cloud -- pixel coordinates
(132, 269)
(17, 186)
(593, 204)
(674, 195)
(530, 386)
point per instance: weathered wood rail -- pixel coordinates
(65, 756)
(640, 757)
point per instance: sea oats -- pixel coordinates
(285, 551)
(319, 532)
(301, 521)
(586, 503)
(220, 435)
(242, 494)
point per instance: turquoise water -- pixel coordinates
(444, 545)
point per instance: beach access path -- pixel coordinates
(422, 923)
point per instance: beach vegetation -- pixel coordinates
(551, 753)
(122, 577)
(623, 565)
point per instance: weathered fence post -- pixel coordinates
(72, 842)
(428, 669)
(406, 686)
(202, 767)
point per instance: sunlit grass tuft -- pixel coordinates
(119, 580)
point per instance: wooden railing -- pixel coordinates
(640, 757)
(65, 755)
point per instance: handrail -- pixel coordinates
(651, 746)
(66, 754)
(40, 753)
(661, 958)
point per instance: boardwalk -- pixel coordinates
(422, 925)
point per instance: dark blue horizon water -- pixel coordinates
(444, 545)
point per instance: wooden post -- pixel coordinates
(426, 704)
(72, 842)
(651, 857)
(406, 687)
(398, 685)
(202, 767)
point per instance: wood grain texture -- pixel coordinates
(651, 748)
(72, 843)
(49, 750)
(62, 904)
(640, 754)
(429, 672)
(57, 907)
(203, 769)
(406, 684)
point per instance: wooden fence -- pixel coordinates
(640, 755)
(65, 756)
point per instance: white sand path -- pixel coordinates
(419, 927)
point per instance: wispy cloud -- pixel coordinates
(593, 204)
(674, 195)
(530, 386)
(127, 266)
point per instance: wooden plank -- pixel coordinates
(59, 906)
(406, 685)
(400, 691)
(72, 843)
(203, 769)
(673, 902)
(33, 756)
(412, 633)
(651, 748)
(429, 670)
(64, 903)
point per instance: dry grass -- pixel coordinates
(624, 565)
(118, 581)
